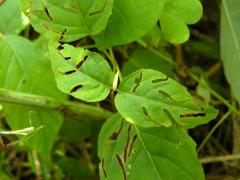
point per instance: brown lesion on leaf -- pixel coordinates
(137, 82)
(48, 28)
(70, 72)
(120, 162)
(115, 135)
(131, 144)
(81, 62)
(99, 11)
(144, 109)
(170, 116)
(76, 88)
(50, 17)
(201, 114)
(60, 47)
(103, 168)
(165, 94)
(159, 80)
(1, 2)
(71, 6)
(127, 144)
(67, 58)
(62, 34)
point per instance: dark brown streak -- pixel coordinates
(75, 88)
(139, 79)
(67, 58)
(148, 116)
(168, 96)
(122, 166)
(137, 82)
(103, 168)
(115, 135)
(170, 117)
(81, 62)
(70, 72)
(60, 47)
(192, 115)
(63, 33)
(135, 88)
(160, 80)
(165, 94)
(48, 14)
(132, 143)
(127, 144)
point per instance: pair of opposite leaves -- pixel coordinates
(146, 97)
(112, 22)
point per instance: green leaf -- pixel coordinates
(83, 74)
(140, 59)
(230, 43)
(129, 152)
(149, 98)
(12, 20)
(130, 20)
(176, 15)
(68, 20)
(24, 68)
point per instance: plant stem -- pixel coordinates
(213, 129)
(220, 158)
(114, 62)
(215, 94)
(80, 109)
(161, 55)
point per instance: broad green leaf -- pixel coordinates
(175, 15)
(130, 20)
(129, 152)
(68, 20)
(149, 98)
(12, 20)
(230, 43)
(24, 68)
(83, 74)
(140, 59)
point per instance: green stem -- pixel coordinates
(114, 62)
(215, 94)
(213, 130)
(161, 55)
(66, 107)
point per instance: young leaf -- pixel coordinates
(68, 20)
(175, 15)
(230, 43)
(83, 74)
(11, 17)
(130, 20)
(129, 152)
(149, 98)
(24, 68)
